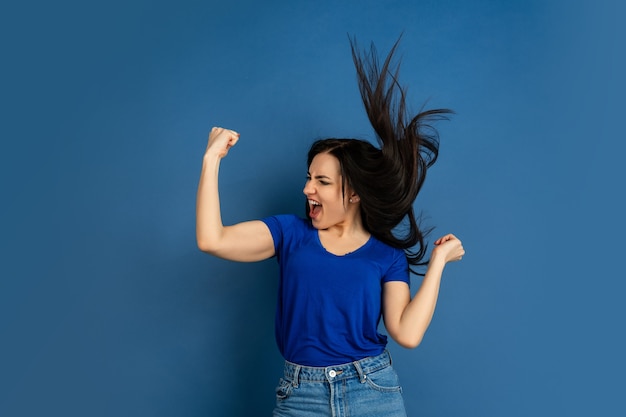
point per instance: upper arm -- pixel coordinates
(396, 296)
(243, 242)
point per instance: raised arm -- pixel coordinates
(245, 242)
(407, 320)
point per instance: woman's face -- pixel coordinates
(327, 205)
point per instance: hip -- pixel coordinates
(367, 387)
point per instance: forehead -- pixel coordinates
(325, 163)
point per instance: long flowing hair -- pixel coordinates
(388, 178)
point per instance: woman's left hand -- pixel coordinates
(449, 247)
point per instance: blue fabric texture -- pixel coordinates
(329, 306)
(365, 388)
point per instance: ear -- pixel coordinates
(354, 198)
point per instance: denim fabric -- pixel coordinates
(365, 388)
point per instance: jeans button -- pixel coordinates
(332, 373)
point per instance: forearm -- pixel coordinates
(408, 319)
(419, 312)
(209, 225)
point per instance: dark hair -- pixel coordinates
(387, 179)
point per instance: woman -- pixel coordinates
(347, 264)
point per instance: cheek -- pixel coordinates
(338, 206)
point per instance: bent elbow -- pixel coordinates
(410, 342)
(206, 246)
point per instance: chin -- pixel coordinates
(317, 225)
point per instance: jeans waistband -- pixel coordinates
(298, 373)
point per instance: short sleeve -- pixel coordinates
(273, 224)
(285, 230)
(399, 268)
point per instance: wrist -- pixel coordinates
(437, 259)
(211, 156)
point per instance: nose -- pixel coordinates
(308, 188)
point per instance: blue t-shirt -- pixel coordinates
(329, 306)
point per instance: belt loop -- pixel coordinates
(296, 376)
(359, 370)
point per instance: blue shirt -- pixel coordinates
(329, 306)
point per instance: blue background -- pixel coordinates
(107, 308)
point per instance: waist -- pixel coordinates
(360, 368)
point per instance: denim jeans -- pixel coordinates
(365, 388)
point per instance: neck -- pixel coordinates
(348, 229)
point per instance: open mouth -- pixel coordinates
(314, 209)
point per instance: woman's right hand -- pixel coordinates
(243, 242)
(220, 141)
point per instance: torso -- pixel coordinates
(329, 298)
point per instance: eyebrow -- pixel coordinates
(317, 177)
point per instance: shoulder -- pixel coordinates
(392, 261)
(287, 228)
(386, 251)
(284, 221)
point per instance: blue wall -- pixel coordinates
(107, 308)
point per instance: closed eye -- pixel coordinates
(322, 179)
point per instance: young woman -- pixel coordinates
(347, 263)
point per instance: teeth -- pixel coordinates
(314, 203)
